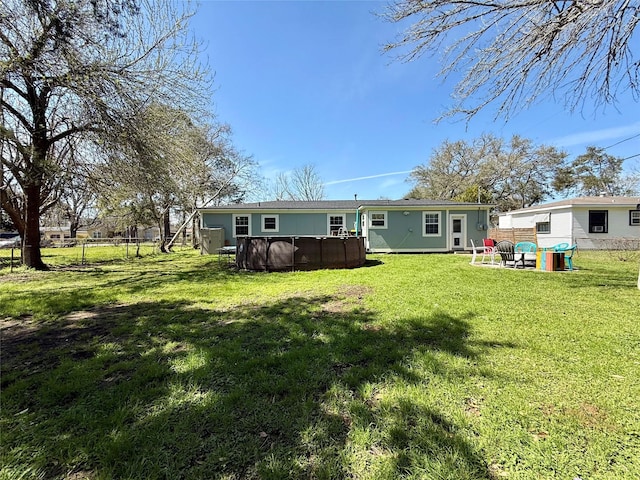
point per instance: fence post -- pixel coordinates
(11, 264)
(83, 258)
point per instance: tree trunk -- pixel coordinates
(31, 255)
(195, 232)
(165, 232)
(73, 228)
(167, 225)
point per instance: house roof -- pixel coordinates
(599, 201)
(342, 204)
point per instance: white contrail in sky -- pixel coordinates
(357, 179)
(596, 136)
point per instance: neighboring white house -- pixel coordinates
(590, 222)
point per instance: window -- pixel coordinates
(55, 236)
(634, 218)
(96, 234)
(241, 225)
(431, 224)
(336, 222)
(270, 223)
(378, 220)
(543, 227)
(598, 221)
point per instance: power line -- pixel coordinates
(622, 141)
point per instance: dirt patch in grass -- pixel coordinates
(473, 406)
(347, 298)
(80, 476)
(590, 416)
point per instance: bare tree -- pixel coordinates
(173, 166)
(514, 52)
(303, 184)
(82, 68)
(216, 173)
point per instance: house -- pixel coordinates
(55, 234)
(387, 225)
(96, 233)
(590, 222)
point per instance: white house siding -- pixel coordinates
(561, 230)
(505, 221)
(618, 226)
(560, 225)
(570, 222)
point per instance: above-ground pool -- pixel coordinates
(299, 253)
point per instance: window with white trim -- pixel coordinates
(336, 222)
(241, 225)
(96, 234)
(270, 223)
(634, 218)
(378, 220)
(431, 224)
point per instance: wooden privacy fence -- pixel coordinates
(514, 235)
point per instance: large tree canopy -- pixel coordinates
(511, 174)
(513, 52)
(593, 173)
(82, 69)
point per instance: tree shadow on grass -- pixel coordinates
(164, 390)
(59, 299)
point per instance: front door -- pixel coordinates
(458, 235)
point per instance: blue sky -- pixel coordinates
(306, 82)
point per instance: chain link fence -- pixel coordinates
(87, 251)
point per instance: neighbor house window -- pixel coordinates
(598, 221)
(96, 234)
(55, 236)
(241, 224)
(270, 223)
(543, 227)
(336, 222)
(634, 218)
(431, 224)
(378, 220)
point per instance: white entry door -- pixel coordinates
(458, 232)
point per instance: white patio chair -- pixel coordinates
(475, 251)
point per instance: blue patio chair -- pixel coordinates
(527, 252)
(568, 256)
(561, 247)
(526, 247)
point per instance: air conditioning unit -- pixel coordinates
(597, 229)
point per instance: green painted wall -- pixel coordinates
(403, 232)
(309, 224)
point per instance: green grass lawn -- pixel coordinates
(415, 366)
